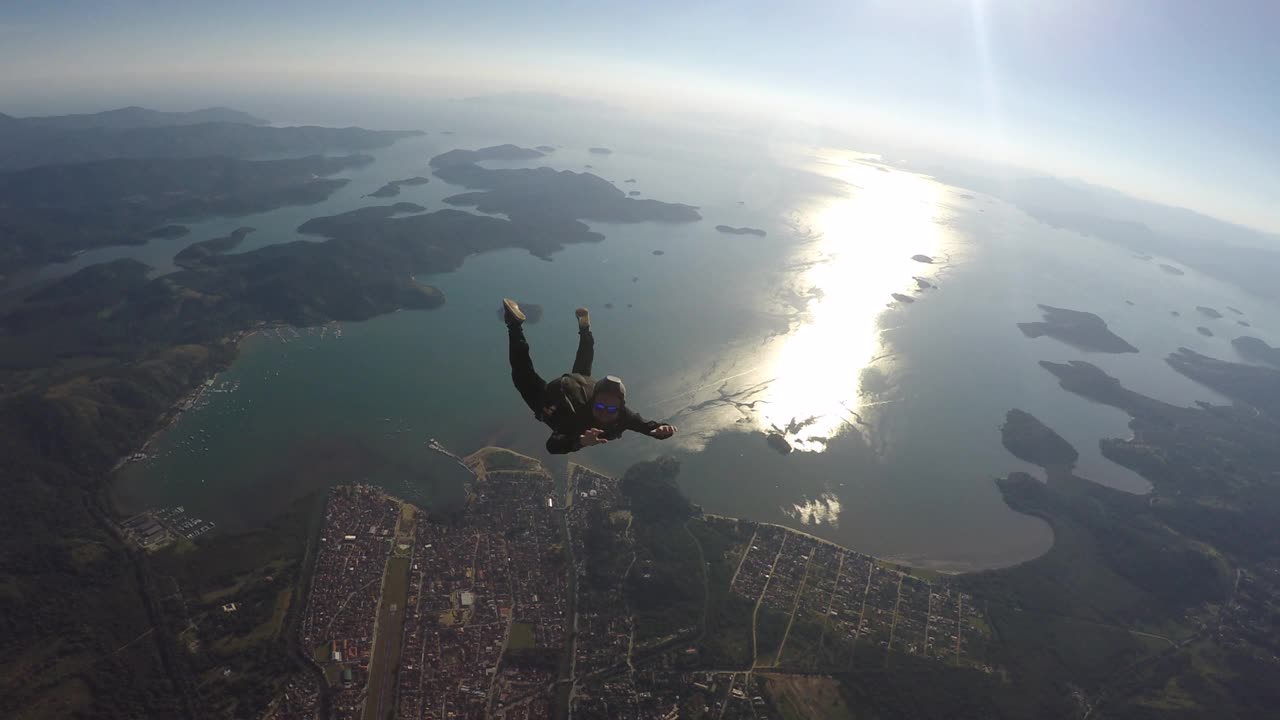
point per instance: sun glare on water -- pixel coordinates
(861, 255)
(822, 510)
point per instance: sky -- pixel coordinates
(1176, 101)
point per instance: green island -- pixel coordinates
(1029, 439)
(730, 230)
(392, 188)
(507, 152)
(1082, 330)
(543, 191)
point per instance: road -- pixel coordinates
(755, 614)
(795, 605)
(388, 629)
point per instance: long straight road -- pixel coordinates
(389, 625)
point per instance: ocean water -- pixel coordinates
(893, 406)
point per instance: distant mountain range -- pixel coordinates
(1243, 256)
(49, 214)
(137, 117)
(135, 132)
(70, 183)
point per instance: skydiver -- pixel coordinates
(581, 412)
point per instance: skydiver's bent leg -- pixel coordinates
(528, 383)
(586, 352)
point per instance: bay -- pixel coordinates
(893, 407)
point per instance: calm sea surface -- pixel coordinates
(894, 407)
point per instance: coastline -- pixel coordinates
(191, 399)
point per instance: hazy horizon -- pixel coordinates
(1164, 101)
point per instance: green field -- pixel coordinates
(807, 698)
(521, 636)
(497, 459)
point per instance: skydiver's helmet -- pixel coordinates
(610, 383)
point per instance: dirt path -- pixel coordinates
(795, 605)
(706, 584)
(742, 559)
(755, 649)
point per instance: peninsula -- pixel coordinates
(196, 253)
(1029, 439)
(1257, 349)
(1081, 330)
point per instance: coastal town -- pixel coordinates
(865, 603)
(346, 589)
(488, 604)
(603, 675)
(517, 606)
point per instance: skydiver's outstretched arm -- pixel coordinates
(632, 421)
(562, 443)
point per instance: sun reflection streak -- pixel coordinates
(822, 510)
(865, 245)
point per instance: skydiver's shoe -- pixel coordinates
(584, 319)
(511, 313)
